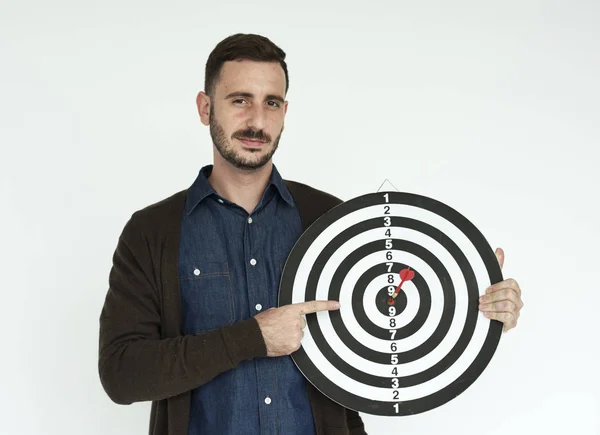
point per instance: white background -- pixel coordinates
(490, 107)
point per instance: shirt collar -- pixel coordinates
(279, 183)
(201, 188)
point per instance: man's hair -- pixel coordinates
(242, 46)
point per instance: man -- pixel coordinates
(189, 319)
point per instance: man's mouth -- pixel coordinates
(252, 142)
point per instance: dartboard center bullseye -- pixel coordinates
(393, 309)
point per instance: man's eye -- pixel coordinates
(239, 101)
(273, 104)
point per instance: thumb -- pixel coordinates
(500, 256)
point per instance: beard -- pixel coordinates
(227, 151)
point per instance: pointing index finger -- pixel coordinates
(316, 306)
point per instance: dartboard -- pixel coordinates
(408, 271)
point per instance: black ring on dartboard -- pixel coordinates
(379, 407)
(384, 357)
(413, 354)
(380, 357)
(358, 307)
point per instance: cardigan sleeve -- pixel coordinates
(355, 423)
(135, 363)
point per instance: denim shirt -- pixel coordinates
(230, 265)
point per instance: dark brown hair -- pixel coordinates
(242, 46)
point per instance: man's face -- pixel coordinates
(247, 112)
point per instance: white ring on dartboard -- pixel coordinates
(374, 288)
(417, 338)
(375, 258)
(411, 342)
(374, 399)
(425, 331)
(354, 370)
(361, 349)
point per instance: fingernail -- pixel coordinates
(482, 299)
(336, 305)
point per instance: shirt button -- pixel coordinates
(196, 272)
(268, 400)
(249, 220)
(258, 307)
(220, 200)
(253, 262)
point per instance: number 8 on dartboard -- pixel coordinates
(408, 271)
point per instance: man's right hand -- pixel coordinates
(282, 328)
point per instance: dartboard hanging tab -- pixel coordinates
(387, 186)
(429, 343)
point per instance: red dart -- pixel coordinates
(405, 275)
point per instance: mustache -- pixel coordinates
(251, 135)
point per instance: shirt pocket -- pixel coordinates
(206, 296)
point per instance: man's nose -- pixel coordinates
(258, 118)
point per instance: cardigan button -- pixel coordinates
(268, 400)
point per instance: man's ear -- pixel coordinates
(203, 103)
(285, 107)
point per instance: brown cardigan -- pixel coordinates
(142, 353)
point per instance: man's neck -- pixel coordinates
(242, 187)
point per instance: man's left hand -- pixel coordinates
(502, 301)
